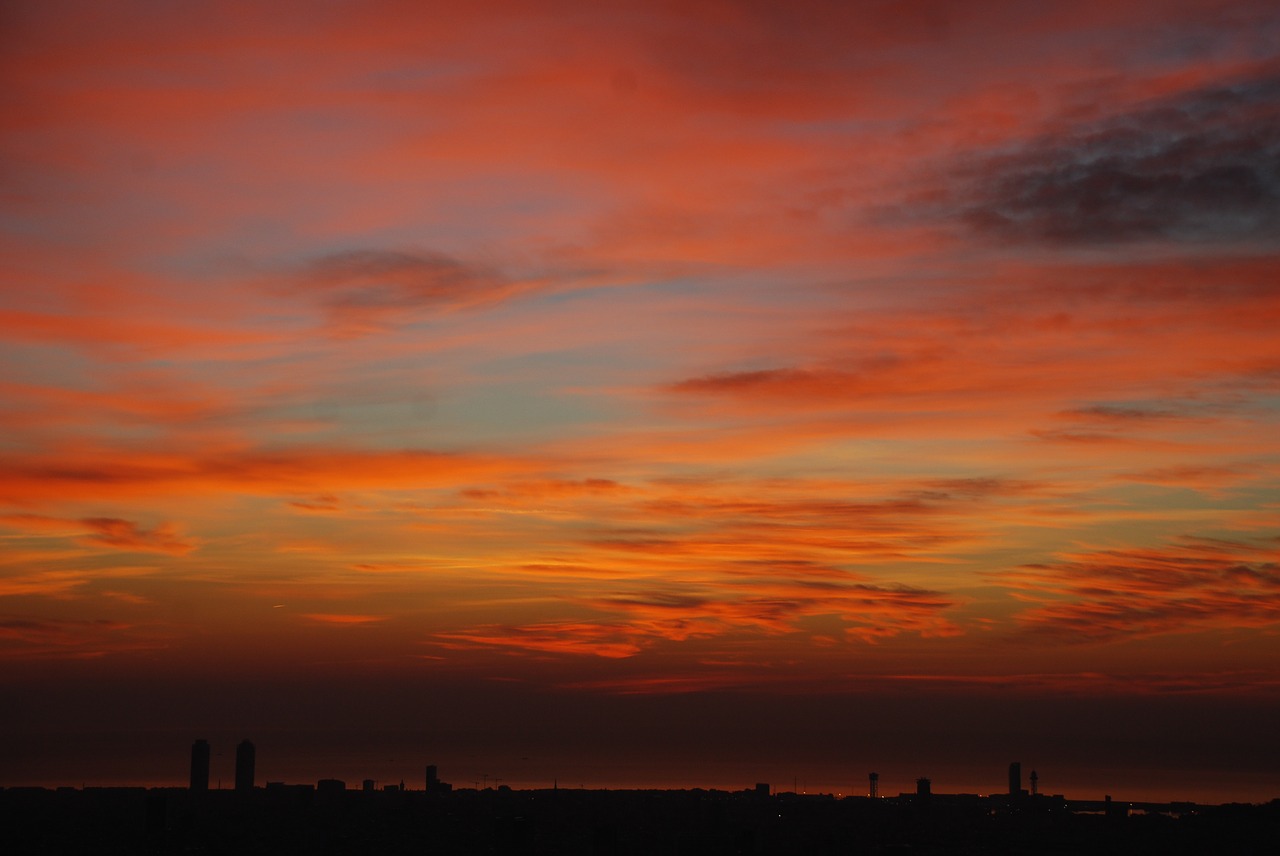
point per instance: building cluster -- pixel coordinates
(1018, 797)
(246, 757)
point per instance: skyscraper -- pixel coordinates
(200, 765)
(1015, 779)
(244, 766)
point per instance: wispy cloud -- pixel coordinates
(368, 290)
(1185, 587)
(126, 472)
(337, 619)
(110, 532)
(600, 640)
(74, 639)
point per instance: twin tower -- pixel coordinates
(200, 766)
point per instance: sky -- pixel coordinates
(642, 393)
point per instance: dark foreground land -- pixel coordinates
(302, 819)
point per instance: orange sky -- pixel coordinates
(645, 360)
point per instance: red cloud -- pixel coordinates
(31, 479)
(601, 640)
(125, 535)
(1191, 586)
(110, 532)
(344, 619)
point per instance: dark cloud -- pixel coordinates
(390, 278)
(1118, 413)
(320, 502)
(883, 374)
(364, 290)
(747, 382)
(1201, 166)
(970, 489)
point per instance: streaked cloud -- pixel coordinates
(110, 532)
(369, 290)
(44, 639)
(599, 640)
(1186, 587)
(344, 619)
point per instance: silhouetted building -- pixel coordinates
(762, 789)
(434, 785)
(200, 765)
(1035, 783)
(367, 786)
(245, 757)
(873, 789)
(331, 786)
(923, 786)
(1015, 779)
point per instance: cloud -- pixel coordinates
(321, 502)
(633, 621)
(111, 532)
(54, 584)
(27, 480)
(25, 638)
(126, 535)
(111, 330)
(344, 619)
(1189, 586)
(870, 612)
(1202, 165)
(1211, 479)
(600, 640)
(370, 289)
(1118, 413)
(548, 488)
(788, 381)
(689, 562)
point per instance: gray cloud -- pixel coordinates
(390, 278)
(369, 289)
(1202, 166)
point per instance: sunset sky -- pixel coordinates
(643, 393)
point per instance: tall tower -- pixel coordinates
(874, 782)
(200, 765)
(1015, 779)
(1035, 783)
(244, 766)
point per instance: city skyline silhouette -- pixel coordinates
(336, 817)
